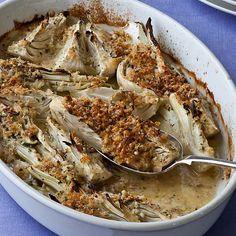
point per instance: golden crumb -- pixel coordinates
(93, 113)
(120, 43)
(96, 113)
(86, 159)
(127, 142)
(142, 68)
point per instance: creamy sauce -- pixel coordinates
(179, 191)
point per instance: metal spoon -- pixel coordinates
(188, 160)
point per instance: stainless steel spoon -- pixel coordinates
(188, 160)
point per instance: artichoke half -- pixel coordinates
(40, 43)
(113, 129)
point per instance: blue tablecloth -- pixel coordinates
(218, 31)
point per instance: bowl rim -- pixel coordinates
(222, 8)
(130, 226)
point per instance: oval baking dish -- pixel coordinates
(194, 56)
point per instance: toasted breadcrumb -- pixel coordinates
(142, 69)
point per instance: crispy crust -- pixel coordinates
(127, 142)
(141, 69)
(124, 137)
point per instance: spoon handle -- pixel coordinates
(207, 160)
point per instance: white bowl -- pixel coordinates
(196, 57)
(232, 2)
(228, 6)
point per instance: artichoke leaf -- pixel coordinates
(104, 63)
(46, 178)
(145, 106)
(73, 124)
(75, 56)
(27, 154)
(105, 93)
(35, 44)
(191, 128)
(92, 170)
(208, 125)
(137, 32)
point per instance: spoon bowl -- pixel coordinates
(188, 160)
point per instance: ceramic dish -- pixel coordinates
(176, 40)
(227, 6)
(233, 2)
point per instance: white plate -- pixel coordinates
(195, 56)
(228, 6)
(232, 2)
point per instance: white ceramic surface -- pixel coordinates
(232, 2)
(228, 6)
(196, 57)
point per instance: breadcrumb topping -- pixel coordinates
(96, 112)
(15, 125)
(142, 69)
(127, 139)
(120, 43)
